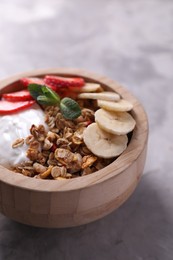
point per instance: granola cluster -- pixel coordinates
(60, 151)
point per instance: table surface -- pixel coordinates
(128, 41)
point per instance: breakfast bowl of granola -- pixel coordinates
(72, 148)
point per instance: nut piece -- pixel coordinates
(18, 142)
(67, 133)
(45, 174)
(39, 168)
(64, 156)
(72, 161)
(78, 136)
(47, 144)
(32, 154)
(52, 137)
(60, 172)
(38, 132)
(76, 164)
(86, 115)
(63, 143)
(88, 161)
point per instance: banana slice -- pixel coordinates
(111, 96)
(121, 105)
(103, 144)
(87, 88)
(119, 123)
(91, 87)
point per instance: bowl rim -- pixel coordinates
(133, 151)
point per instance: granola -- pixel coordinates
(59, 152)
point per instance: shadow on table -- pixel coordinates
(141, 229)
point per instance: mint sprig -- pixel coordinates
(46, 96)
(70, 108)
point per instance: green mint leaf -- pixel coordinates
(69, 108)
(44, 95)
(35, 90)
(43, 100)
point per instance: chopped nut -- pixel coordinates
(86, 115)
(51, 160)
(64, 156)
(47, 144)
(41, 158)
(52, 137)
(18, 142)
(60, 172)
(59, 121)
(88, 160)
(38, 132)
(67, 133)
(39, 168)
(78, 136)
(47, 173)
(76, 164)
(32, 154)
(62, 141)
(27, 173)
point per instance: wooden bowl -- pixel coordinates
(73, 202)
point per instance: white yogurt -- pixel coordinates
(17, 126)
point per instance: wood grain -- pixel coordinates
(66, 203)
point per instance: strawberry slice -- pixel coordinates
(68, 93)
(57, 81)
(22, 95)
(7, 107)
(26, 81)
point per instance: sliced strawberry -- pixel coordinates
(7, 107)
(69, 94)
(26, 81)
(22, 95)
(63, 82)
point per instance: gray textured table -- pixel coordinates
(131, 42)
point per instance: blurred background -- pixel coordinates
(130, 41)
